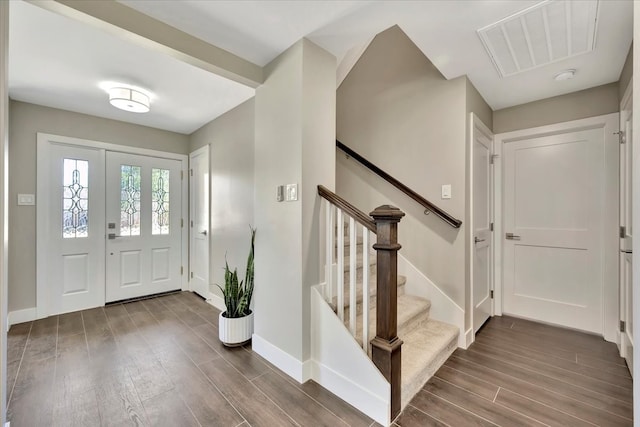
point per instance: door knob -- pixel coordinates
(204, 232)
(476, 240)
(112, 236)
(511, 236)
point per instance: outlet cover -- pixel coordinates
(446, 191)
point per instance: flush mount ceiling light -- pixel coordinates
(565, 75)
(129, 99)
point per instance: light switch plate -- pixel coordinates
(446, 191)
(292, 192)
(26, 199)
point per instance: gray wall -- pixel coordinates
(25, 121)
(572, 106)
(399, 112)
(295, 140)
(231, 143)
(625, 74)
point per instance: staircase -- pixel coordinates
(427, 342)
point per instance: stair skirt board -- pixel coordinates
(348, 373)
(443, 308)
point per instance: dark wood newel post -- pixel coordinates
(386, 346)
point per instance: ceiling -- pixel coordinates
(58, 62)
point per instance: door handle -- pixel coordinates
(204, 232)
(626, 251)
(112, 236)
(511, 236)
(476, 240)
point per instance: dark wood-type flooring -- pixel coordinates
(158, 362)
(522, 373)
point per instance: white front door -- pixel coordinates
(626, 235)
(481, 140)
(199, 221)
(553, 224)
(70, 225)
(143, 250)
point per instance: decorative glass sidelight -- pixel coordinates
(129, 200)
(159, 201)
(75, 199)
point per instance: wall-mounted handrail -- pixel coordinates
(354, 212)
(446, 217)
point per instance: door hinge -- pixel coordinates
(192, 274)
(492, 158)
(191, 172)
(623, 231)
(620, 136)
(181, 222)
(191, 223)
(181, 270)
(623, 326)
(181, 175)
(491, 227)
(491, 294)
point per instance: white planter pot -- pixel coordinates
(235, 332)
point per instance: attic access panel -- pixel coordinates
(545, 33)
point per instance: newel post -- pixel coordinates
(385, 347)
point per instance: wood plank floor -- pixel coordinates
(522, 373)
(158, 362)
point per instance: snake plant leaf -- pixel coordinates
(237, 294)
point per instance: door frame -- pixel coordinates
(609, 123)
(476, 125)
(44, 141)
(202, 150)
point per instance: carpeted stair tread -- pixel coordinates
(402, 280)
(424, 350)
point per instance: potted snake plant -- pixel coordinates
(235, 325)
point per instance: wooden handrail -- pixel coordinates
(354, 212)
(446, 217)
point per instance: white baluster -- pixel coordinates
(352, 275)
(328, 275)
(365, 289)
(340, 263)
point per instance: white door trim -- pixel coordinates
(477, 125)
(609, 122)
(44, 141)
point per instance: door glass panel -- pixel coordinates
(159, 201)
(75, 198)
(129, 200)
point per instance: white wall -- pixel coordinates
(231, 149)
(294, 143)
(25, 121)
(636, 210)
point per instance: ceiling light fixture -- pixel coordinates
(129, 99)
(565, 75)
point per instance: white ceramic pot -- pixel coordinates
(235, 332)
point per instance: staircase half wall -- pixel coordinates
(341, 366)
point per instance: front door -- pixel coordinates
(553, 219)
(143, 226)
(70, 228)
(199, 221)
(626, 231)
(481, 140)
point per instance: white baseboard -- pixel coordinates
(299, 371)
(21, 316)
(362, 399)
(468, 338)
(216, 301)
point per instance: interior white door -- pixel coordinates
(199, 232)
(553, 219)
(143, 250)
(71, 202)
(482, 141)
(626, 235)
